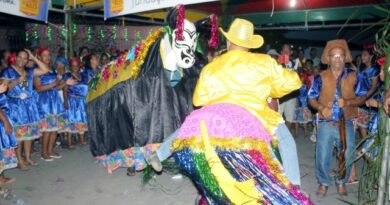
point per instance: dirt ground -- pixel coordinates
(76, 179)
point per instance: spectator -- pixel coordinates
(335, 93)
(314, 58)
(5, 55)
(289, 102)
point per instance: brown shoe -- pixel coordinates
(342, 189)
(321, 190)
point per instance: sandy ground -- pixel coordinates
(76, 179)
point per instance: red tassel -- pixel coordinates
(214, 41)
(180, 23)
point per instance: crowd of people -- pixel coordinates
(303, 107)
(41, 99)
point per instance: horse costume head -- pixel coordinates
(179, 43)
(184, 49)
(171, 47)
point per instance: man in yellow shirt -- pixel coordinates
(248, 80)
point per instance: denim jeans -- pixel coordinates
(164, 151)
(327, 137)
(288, 153)
(287, 148)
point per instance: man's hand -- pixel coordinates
(326, 112)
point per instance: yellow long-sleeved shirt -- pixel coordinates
(246, 79)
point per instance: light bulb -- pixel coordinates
(293, 3)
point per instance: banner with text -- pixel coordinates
(113, 8)
(32, 9)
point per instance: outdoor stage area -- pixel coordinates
(76, 179)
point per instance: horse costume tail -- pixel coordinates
(227, 153)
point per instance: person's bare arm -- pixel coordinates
(7, 125)
(40, 88)
(373, 88)
(42, 68)
(65, 93)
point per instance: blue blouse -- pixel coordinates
(367, 76)
(89, 72)
(81, 88)
(48, 78)
(314, 92)
(22, 89)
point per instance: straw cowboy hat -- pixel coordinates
(339, 43)
(241, 33)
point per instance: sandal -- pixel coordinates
(4, 192)
(130, 171)
(23, 167)
(46, 159)
(6, 180)
(352, 181)
(32, 163)
(55, 156)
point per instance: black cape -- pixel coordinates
(141, 111)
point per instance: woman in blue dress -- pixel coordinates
(92, 67)
(75, 102)
(302, 113)
(22, 100)
(50, 105)
(8, 141)
(368, 73)
(375, 102)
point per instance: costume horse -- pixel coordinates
(143, 96)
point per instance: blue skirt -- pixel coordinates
(51, 109)
(76, 116)
(7, 141)
(8, 159)
(25, 117)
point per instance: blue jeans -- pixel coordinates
(288, 153)
(164, 151)
(287, 148)
(327, 137)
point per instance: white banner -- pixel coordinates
(32, 9)
(113, 8)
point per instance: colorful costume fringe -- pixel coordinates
(226, 151)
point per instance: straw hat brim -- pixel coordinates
(255, 41)
(340, 43)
